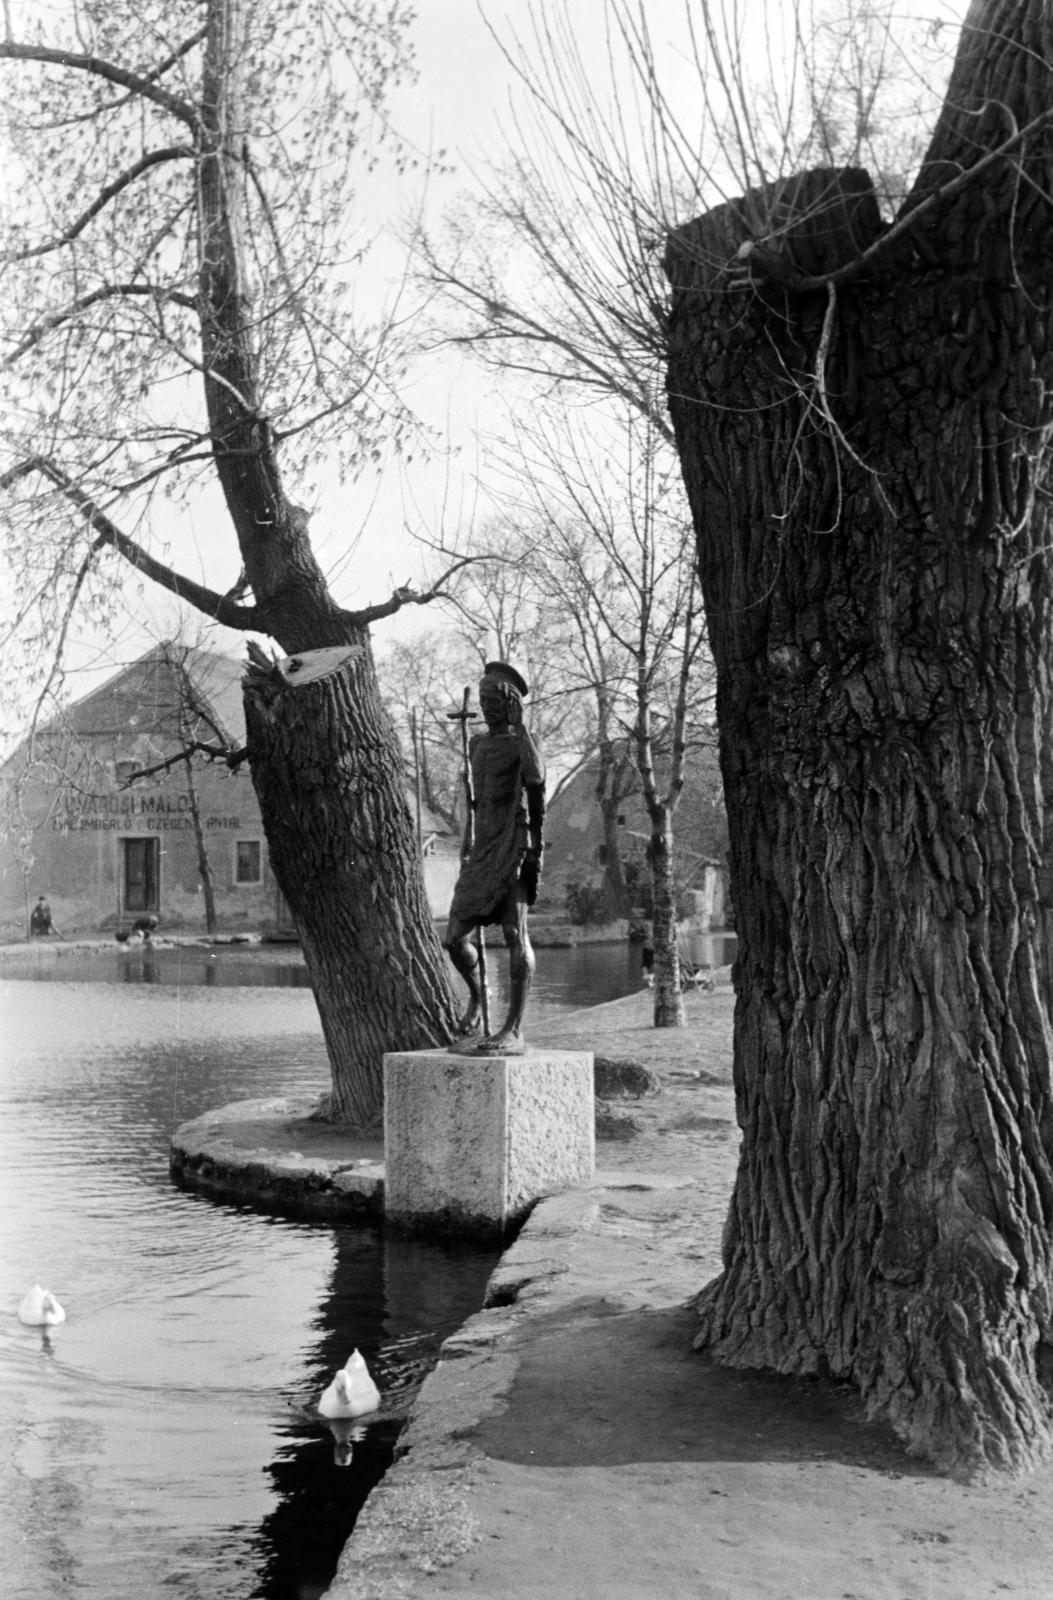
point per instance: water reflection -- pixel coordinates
(324, 1467)
(184, 965)
(586, 975)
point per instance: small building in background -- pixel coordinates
(107, 849)
(576, 851)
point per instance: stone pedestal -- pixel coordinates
(470, 1142)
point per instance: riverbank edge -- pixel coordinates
(551, 933)
(420, 1518)
(249, 1152)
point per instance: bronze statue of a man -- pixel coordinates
(501, 855)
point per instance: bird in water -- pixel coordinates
(40, 1309)
(352, 1392)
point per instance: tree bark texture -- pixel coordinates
(868, 463)
(329, 776)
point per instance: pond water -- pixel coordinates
(162, 1440)
(586, 975)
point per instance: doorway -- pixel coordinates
(142, 873)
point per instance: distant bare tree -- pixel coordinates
(610, 546)
(191, 726)
(500, 610)
(422, 680)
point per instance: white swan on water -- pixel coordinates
(352, 1392)
(40, 1309)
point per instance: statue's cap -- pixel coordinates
(507, 674)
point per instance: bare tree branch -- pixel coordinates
(110, 291)
(408, 596)
(214, 752)
(177, 55)
(218, 606)
(153, 158)
(99, 68)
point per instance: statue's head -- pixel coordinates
(501, 672)
(499, 681)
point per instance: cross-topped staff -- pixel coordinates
(464, 716)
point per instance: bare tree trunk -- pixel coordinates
(871, 492)
(330, 780)
(614, 782)
(668, 987)
(204, 865)
(668, 991)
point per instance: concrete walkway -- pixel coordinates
(570, 1444)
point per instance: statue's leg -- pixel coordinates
(520, 973)
(465, 958)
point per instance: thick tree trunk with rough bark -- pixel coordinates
(867, 453)
(330, 780)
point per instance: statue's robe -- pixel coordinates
(505, 797)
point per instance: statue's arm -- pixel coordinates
(535, 799)
(531, 761)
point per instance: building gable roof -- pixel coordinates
(144, 698)
(147, 694)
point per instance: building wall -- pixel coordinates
(86, 842)
(73, 828)
(574, 843)
(79, 850)
(708, 909)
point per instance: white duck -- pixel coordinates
(40, 1309)
(352, 1392)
